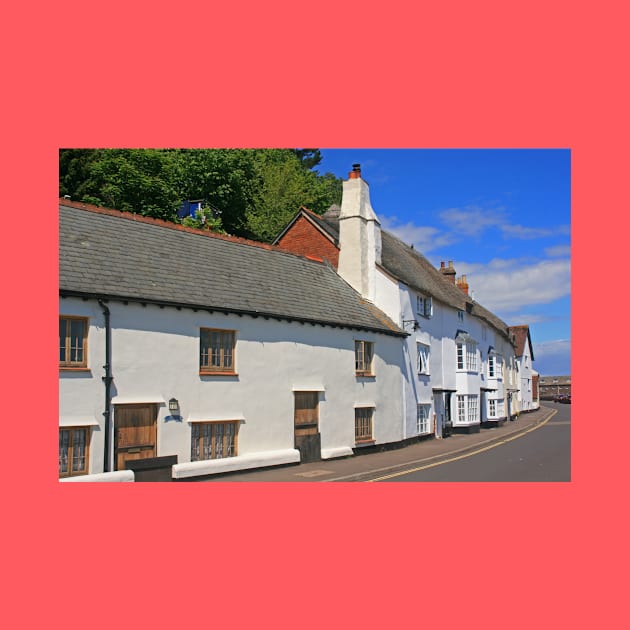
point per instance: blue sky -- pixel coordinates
(503, 216)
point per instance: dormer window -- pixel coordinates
(424, 306)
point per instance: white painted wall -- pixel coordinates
(155, 356)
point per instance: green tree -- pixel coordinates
(253, 192)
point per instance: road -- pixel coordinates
(542, 454)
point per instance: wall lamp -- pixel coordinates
(173, 405)
(415, 326)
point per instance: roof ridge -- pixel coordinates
(140, 218)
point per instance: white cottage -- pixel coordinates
(201, 353)
(526, 399)
(458, 361)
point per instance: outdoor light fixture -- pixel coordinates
(416, 325)
(173, 404)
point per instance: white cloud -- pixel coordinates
(552, 357)
(559, 251)
(527, 233)
(423, 239)
(508, 286)
(472, 220)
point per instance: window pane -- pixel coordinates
(64, 445)
(62, 339)
(77, 329)
(204, 345)
(78, 450)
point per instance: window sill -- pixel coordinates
(202, 373)
(366, 442)
(365, 374)
(74, 369)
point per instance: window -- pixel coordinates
(363, 356)
(73, 341)
(491, 366)
(424, 414)
(472, 409)
(424, 306)
(460, 315)
(213, 440)
(467, 356)
(467, 409)
(484, 333)
(216, 351)
(423, 358)
(492, 408)
(461, 409)
(363, 424)
(73, 451)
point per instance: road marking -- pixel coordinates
(454, 459)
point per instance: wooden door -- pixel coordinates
(306, 426)
(136, 433)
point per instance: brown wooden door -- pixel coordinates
(136, 433)
(306, 426)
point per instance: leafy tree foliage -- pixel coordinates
(253, 192)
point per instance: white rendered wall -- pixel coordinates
(155, 356)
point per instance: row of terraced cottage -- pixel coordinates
(197, 353)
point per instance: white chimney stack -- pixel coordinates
(359, 236)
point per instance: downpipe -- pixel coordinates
(107, 380)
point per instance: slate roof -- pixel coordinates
(119, 255)
(409, 266)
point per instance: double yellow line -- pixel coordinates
(479, 450)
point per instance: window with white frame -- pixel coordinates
(492, 366)
(492, 408)
(461, 409)
(467, 409)
(424, 306)
(423, 358)
(460, 315)
(467, 356)
(424, 419)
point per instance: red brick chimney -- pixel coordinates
(462, 284)
(449, 271)
(355, 173)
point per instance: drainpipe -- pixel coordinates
(107, 379)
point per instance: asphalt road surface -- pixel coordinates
(543, 454)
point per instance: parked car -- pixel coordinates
(562, 398)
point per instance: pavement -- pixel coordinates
(364, 467)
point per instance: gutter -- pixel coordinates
(231, 311)
(107, 379)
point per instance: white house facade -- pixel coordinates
(269, 359)
(202, 354)
(459, 358)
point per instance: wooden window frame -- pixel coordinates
(213, 448)
(361, 366)
(222, 368)
(69, 364)
(70, 457)
(363, 416)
